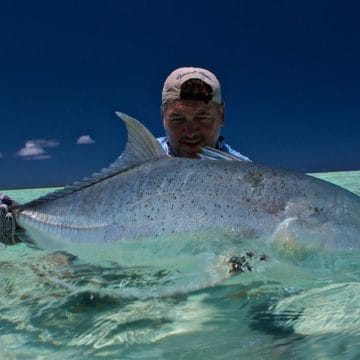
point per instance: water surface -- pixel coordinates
(298, 307)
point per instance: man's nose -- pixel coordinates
(191, 128)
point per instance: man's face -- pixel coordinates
(192, 124)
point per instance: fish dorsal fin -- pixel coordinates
(141, 147)
(209, 153)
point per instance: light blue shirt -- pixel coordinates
(220, 145)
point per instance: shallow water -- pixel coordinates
(287, 307)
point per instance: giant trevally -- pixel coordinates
(146, 196)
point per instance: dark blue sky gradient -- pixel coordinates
(290, 72)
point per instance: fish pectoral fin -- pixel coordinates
(285, 240)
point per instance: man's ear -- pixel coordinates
(162, 113)
(222, 110)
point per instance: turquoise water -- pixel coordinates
(290, 307)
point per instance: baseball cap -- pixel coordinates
(172, 87)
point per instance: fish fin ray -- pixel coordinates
(214, 154)
(141, 147)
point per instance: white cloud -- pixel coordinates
(85, 139)
(46, 143)
(35, 149)
(30, 149)
(37, 157)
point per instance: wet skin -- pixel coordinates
(192, 124)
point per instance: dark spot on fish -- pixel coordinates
(254, 178)
(316, 209)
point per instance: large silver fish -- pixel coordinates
(146, 196)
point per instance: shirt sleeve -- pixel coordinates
(228, 149)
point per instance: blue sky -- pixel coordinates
(290, 72)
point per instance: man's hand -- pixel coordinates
(7, 221)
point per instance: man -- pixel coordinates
(193, 113)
